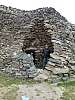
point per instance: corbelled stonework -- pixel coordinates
(16, 25)
(36, 39)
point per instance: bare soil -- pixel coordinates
(39, 91)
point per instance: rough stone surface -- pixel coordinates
(16, 25)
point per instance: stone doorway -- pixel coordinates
(36, 39)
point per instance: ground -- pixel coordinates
(13, 89)
(39, 91)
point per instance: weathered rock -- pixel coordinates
(27, 66)
(42, 76)
(20, 29)
(38, 38)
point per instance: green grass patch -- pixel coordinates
(67, 83)
(69, 93)
(69, 90)
(7, 81)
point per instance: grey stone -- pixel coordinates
(17, 27)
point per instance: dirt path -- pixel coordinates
(39, 91)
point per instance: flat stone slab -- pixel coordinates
(57, 57)
(58, 70)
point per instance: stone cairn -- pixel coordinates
(36, 28)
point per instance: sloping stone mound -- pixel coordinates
(25, 66)
(26, 29)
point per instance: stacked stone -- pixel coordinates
(25, 68)
(63, 41)
(58, 68)
(38, 38)
(26, 65)
(17, 26)
(9, 44)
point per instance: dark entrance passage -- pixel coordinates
(36, 40)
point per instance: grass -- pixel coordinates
(7, 81)
(69, 92)
(9, 86)
(67, 83)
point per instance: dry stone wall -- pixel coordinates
(15, 25)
